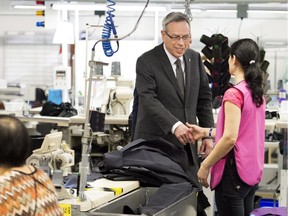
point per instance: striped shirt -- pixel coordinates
(28, 194)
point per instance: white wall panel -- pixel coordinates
(30, 64)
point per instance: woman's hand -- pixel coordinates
(206, 147)
(197, 132)
(184, 135)
(203, 176)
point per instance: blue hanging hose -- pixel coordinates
(108, 28)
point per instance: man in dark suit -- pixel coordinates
(163, 109)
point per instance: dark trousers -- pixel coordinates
(232, 195)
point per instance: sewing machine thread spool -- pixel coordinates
(99, 70)
(115, 69)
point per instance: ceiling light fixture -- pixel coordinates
(32, 7)
(268, 11)
(182, 9)
(75, 6)
(221, 11)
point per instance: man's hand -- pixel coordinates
(183, 134)
(198, 132)
(206, 147)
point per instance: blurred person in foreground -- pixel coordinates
(237, 160)
(24, 189)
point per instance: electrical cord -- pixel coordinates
(108, 28)
(275, 195)
(239, 28)
(273, 179)
(188, 10)
(123, 37)
(114, 103)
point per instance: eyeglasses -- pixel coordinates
(175, 38)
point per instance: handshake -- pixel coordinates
(189, 133)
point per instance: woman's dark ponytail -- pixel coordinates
(254, 79)
(248, 54)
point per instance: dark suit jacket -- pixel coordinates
(159, 102)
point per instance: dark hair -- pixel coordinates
(174, 17)
(248, 54)
(14, 142)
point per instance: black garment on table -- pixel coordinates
(62, 110)
(157, 161)
(154, 163)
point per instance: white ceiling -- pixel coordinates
(6, 5)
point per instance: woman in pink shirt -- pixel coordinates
(237, 160)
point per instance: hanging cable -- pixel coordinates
(123, 37)
(108, 28)
(188, 10)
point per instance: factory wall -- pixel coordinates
(270, 30)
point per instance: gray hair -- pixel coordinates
(174, 17)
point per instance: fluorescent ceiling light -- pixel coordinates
(34, 7)
(267, 11)
(77, 6)
(92, 7)
(221, 11)
(275, 43)
(181, 10)
(139, 8)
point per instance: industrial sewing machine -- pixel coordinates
(115, 102)
(54, 154)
